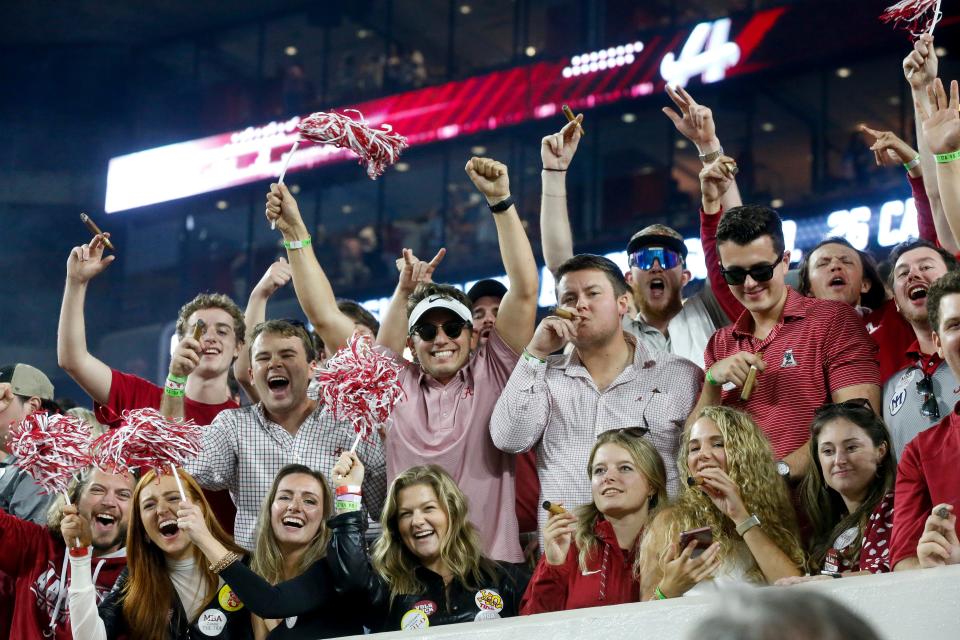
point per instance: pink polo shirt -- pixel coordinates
(449, 425)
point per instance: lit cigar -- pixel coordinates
(554, 509)
(560, 312)
(198, 329)
(95, 230)
(749, 384)
(732, 168)
(570, 118)
(942, 512)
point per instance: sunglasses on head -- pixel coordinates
(451, 328)
(851, 404)
(631, 432)
(644, 258)
(759, 272)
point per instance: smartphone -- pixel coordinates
(703, 536)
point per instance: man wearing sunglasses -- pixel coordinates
(927, 494)
(806, 351)
(917, 396)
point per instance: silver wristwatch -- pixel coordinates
(707, 158)
(746, 525)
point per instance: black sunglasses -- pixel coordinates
(861, 404)
(428, 332)
(929, 407)
(759, 272)
(630, 432)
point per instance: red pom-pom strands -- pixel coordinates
(360, 385)
(51, 448)
(147, 440)
(916, 16)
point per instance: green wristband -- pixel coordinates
(659, 594)
(944, 158)
(173, 393)
(177, 379)
(912, 164)
(711, 379)
(298, 244)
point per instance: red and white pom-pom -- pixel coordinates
(378, 148)
(360, 385)
(917, 16)
(51, 448)
(147, 440)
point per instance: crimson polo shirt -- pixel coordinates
(927, 475)
(817, 348)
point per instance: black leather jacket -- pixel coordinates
(223, 618)
(497, 597)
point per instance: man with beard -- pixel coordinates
(485, 296)
(918, 395)
(559, 404)
(32, 555)
(657, 253)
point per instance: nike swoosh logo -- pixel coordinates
(589, 573)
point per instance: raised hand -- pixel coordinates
(74, 527)
(87, 261)
(282, 208)
(414, 271)
(939, 544)
(888, 149)
(715, 180)
(557, 150)
(6, 396)
(920, 65)
(348, 470)
(190, 521)
(186, 357)
(490, 177)
(552, 334)
(694, 122)
(941, 127)
(681, 571)
(274, 278)
(558, 536)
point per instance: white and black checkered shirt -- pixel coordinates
(243, 451)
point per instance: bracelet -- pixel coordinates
(529, 357)
(707, 158)
(346, 503)
(177, 379)
(913, 163)
(944, 158)
(298, 244)
(659, 594)
(503, 205)
(746, 525)
(560, 170)
(711, 379)
(173, 393)
(350, 489)
(224, 562)
(79, 552)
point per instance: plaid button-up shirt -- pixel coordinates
(243, 450)
(557, 408)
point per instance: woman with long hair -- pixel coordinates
(589, 557)
(734, 489)
(848, 494)
(167, 591)
(427, 566)
(288, 586)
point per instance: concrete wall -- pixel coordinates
(922, 605)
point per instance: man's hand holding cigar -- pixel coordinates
(735, 369)
(87, 261)
(553, 333)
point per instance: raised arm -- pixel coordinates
(556, 152)
(716, 180)
(310, 282)
(85, 263)
(274, 278)
(920, 69)
(695, 123)
(518, 309)
(941, 127)
(393, 329)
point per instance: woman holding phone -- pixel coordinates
(589, 556)
(734, 489)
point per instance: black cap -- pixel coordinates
(640, 240)
(482, 288)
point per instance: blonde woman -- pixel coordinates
(427, 567)
(288, 587)
(589, 557)
(735, 490)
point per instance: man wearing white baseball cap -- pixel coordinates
(450, 389)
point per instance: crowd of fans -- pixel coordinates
(756, 433)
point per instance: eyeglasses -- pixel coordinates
(853, 404)
(929, 407)
(643, 258)
(451, 328)
(759, 272)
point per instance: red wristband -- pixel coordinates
(79, 552)
(348, 488)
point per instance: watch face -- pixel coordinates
(783, 468)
